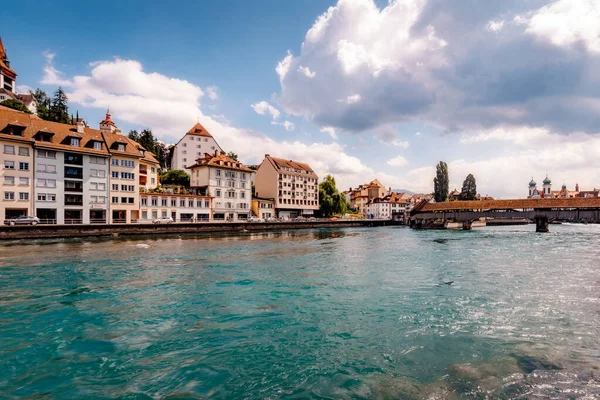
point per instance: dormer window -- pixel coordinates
(75, 142)
(97, 145)
(121, 147)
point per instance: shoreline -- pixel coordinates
(112, 230)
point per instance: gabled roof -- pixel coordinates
(198, 130)
(220, 161)
(280, 163)
(131, 146)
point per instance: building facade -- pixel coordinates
(192, 146)
(182, 208)
(228, 181)
(293, 185)
(8, 77)
(263, 208)
(361, 196)
(16, 175)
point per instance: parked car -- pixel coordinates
(255, 219)
(22, 220)
(162, 220)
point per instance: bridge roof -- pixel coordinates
(516, 204)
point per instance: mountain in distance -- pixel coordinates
(402, 191)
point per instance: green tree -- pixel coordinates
(43, 104)
(441, 182)
(134, 135)
(148, 141)
(59, 108)
(175, 177)
(15, 105)
(162, 154)
(231, 154)
(330, 200)
(469, 188)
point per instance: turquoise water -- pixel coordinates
(349, 313)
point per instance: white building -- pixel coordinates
(182, 208)
(8, 77)
(388, 207)
(192, 146)
(228, 181)
(534, 193)
(293, 185)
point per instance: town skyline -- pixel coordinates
(503, 128)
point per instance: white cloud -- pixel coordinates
(401, 143)
(330, 130)
(418, 134)
(355, 98)
(565, 22)
(495, 26)
(24, 89)
(398, 161)
(212, 92)
(264, 108)
(307, 72)
(52, 76)
(171, 106)
(289, 126)
(283, 66)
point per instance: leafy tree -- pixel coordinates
(134, 135)
(231, 154)
(15, 105)
(59, 108)
(162, 154)
(330, 200)
(469, 188)
(43, 104)
(148, 141)
(441, 182)
(175, 177)
(253, 190)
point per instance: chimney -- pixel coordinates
(80, 127)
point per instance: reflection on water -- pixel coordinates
(359, 313)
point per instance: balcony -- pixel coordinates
(143, 170)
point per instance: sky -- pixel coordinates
(359, 89)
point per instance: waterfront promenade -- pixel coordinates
(68, 231)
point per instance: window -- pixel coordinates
(9, 180)
(152, 180)
(127, 175)
(101, 186)
(115, 174)
(101, 173)
(115, 200)
(184, 152)
(9, 164)
(182, 203)
(206, 203)
(173, 202)
(8, 149)
(75, 142)
(184, 145)
(154, 202)
(144, 201)
(130, 200)
(124, 200)
(218, 172)
(217, 193)
(23, 151)
(243, 195)
(93, 172)
(114, 162)
(128, 163)
(46, 154)
(24, 181)
(97, 160)
(152, 169)
(190, 203)
(23, 166)
(47, 168)
(97, 145)
(199, 203)
(163, 202)
(46, 197)
(121, 147)
(9, 195)
(218, 182)
(115, 187)
(23, 196)
(185, 159)
(199, 146)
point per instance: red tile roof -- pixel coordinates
(511, 204)
(199, 130)
(280, 163)
(5, 68)
(220, 161)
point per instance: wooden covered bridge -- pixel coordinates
(541, 211)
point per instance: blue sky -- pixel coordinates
(360, 89)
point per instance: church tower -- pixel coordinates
(107, 125)
(547, 187)
(532, 188)
(8, 77)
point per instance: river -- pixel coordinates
(334, 313)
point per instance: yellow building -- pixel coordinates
(263, 208)
(360, 197)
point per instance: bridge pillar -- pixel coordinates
(541, 224)
(467, 225)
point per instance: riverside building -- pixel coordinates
(293, 185)
(180, 207)
(228, 181)
(192, 146)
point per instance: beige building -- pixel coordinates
(149, 166)
(293, 185)
(228, 181)
(16, 175)
(263, 208)
(363, 194)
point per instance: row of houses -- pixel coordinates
(70, 173)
